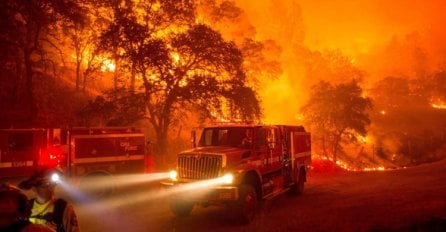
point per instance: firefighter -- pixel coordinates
(46, 209)
(15, 211)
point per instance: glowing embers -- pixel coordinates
(380, 168)
(347, 167)
(439, 105)
(324, 164)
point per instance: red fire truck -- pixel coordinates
(79, 152)
(238, 165)
(21, 151)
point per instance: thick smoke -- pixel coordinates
(337, 40)
(381, 38)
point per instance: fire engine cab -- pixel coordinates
(80, 153)
(239, 165)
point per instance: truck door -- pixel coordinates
(267, 149)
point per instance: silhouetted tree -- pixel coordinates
(332, 66)
(336, 114)
(180, 63)
(197, 67)
(83, 39)
(121, 107)
(26, 32)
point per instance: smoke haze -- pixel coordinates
(381, 38)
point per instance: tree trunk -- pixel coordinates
(29, 92)
(84, 81)
(161, 146)
(116, 71)
(162, 132)
(324, 146)
(15, 81)
(78, 73)
(337, 143)
(115, 77)
(335, 148)
(132, 79)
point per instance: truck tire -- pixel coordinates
(246, 204)
(298, 187)
(181, 208)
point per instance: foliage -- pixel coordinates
(166, 64)
(331, 66)
(81, 41)
(115, 108)
(179, 63)
(28, 44)
(337, 113)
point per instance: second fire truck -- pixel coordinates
(81, 153)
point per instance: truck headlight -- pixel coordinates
(173, 175)
(227, 178)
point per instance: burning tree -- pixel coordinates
(408, 125)
(178, 63)
(337, 114)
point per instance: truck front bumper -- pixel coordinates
(194, 191)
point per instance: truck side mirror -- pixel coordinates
(193, 135)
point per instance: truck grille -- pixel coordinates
(199, 167)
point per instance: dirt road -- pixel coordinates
(412, 199)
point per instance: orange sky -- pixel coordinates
(356, 26)
(361, 29)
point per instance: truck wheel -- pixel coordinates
(298, 186)
(247, 204)
(181, 208)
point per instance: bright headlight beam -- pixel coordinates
(173, 175)
(55, 177)
(228, 178)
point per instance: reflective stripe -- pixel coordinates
(108, 159)
(26, 163)
(108, 136)
(302, 154)
(277, 158)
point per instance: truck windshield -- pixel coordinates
(227, 136)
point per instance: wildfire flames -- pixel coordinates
(302, 42)
(323, 164)
(439, 105)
